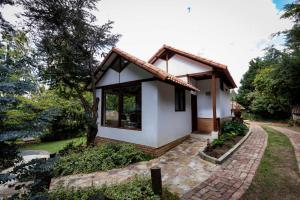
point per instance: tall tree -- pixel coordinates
(271, 58)
(292, 11)
(16, 80)
(69, 42)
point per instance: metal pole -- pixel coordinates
(156, 180)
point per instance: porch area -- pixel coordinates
(211, 105)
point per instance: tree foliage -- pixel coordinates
(16, 80)
(271, 86)
(69, 42)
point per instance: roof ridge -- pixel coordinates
(150, 67)
(191, 54)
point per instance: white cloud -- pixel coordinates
(231, 32)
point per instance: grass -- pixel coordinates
(52, 147)
(277, 176)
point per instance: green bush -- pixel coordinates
(72, 147)
(234, 127)
(230, 130)
(218, 142)
(135, 189)
(99, 158)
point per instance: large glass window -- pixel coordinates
(122, 107)
(179, 99)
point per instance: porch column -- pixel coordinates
(214, 100)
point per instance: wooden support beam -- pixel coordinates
(214, 101)
(167, 64)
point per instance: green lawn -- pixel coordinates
(277, 176)
(52, 147)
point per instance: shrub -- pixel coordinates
(218, 142)
(135, 189)
(60, 135)
(234, 127)
(71, 147)
(99, 158)
(8, 155)
(229, 131)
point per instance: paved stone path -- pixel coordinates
(182, 170)
(234, 176)
(294, 138)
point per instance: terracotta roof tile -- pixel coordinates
(193, 57)
(160, 74)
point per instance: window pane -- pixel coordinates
(111, 117)
(131, 110)
(179, 99)
(122, 107)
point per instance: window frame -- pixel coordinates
(120, 104)
(179, 91)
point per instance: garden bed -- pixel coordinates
(218, 151)
(234, 134)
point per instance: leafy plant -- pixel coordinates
(72, 148)
(230, 131)
(134, 189)
(218, 142)
(98, 158)
(234, 127)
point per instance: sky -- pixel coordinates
(231, 32)
(281, 3)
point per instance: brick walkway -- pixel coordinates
(294, 138)
(234, 176)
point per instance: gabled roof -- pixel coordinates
(170, 51)
(126, 58)
(236, 106)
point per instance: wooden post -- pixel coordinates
(167, 60)
(214, 100)
(156, 180)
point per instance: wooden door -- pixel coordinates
(194, 112)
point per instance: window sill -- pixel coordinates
(133, 129)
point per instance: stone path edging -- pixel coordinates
(235, 175)
(226, 155)
(294, 137)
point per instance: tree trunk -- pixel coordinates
(91, 134)
(93, 127)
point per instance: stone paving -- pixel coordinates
(182, 170)
(234, 176)
(294, 138)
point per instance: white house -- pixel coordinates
(157, 104)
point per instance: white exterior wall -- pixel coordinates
(148, 135)
(172, 125)
(225, 108)
(160, 123)
(179, 65)
(130, 73)
(204, 102)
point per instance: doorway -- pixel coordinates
(194, 112)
